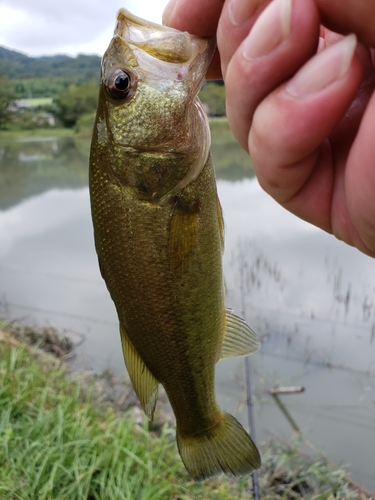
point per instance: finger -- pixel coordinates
(360, 177)
(236, 20)
(346, 16)
(199, 18)
(291, 125)
(281, 40)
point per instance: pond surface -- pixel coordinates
(310, 297)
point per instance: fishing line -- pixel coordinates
(249, 399)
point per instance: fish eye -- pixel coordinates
(120, 84)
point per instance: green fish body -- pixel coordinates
(159, 237)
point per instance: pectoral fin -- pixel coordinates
(239, 338)
(144, 383)
(182, 236)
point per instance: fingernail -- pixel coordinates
(168, 11)
(272, 27)
(239, 11)
(325, 68)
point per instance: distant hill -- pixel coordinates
(50, 76)
(45, 76)
(16, 65)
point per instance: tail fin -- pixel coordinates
(225, 448)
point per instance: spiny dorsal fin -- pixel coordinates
(144, 383)
(239, 338)
(182, 236)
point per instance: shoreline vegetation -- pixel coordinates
(229, 157)
(66, 434)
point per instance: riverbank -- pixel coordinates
(62, 436)
(39, 132)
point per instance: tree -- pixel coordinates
(76, 101)
(7, 98)
(213, 97)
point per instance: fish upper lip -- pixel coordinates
(127, 15)
(168, 43)
(140, 31)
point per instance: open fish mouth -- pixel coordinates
(188, 55)
(162, 42)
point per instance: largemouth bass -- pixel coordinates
(159, 237)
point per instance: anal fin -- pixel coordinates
(144, 383)
(239, 338)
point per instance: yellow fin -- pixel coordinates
(220, 219)
(239, 338)
(182, 236)
(144, 383)
(226, 448)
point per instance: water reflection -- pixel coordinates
(310, 297)
(34, 165)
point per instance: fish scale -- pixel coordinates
(159, 238)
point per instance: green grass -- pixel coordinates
(57, 443)
(59, 440)
(37, 101)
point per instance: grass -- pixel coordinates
(60, 440)
(288, 474)
(56, 441)
(36, 101)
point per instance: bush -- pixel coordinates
(7, 98)
(212, 96)
(76, 101)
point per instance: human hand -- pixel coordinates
(307, 120)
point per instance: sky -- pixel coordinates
(46, 27)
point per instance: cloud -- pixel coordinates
(26, 219)
(43, 27)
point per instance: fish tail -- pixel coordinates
(226, 448)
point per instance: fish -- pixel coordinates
(159, 236)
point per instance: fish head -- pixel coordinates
(151, 75)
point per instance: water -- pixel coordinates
(310, 297)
